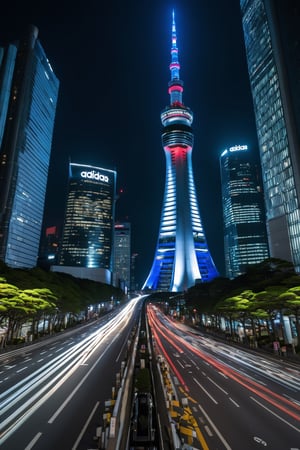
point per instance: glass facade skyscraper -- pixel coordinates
(182, 256)
(28, 97)
(272, 41)
(89, 219)
(245, 237)
(122, 254)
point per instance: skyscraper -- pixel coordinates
(49, 247)
(28, 97)
(245, 237)
(181, 255)
(87, 240)
(272, 41)
(122, 255)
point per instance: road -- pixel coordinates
(233, 398)
(53, 392)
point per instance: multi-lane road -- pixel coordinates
(53, 392)
(234, 399)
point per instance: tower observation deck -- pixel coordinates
(182, 257)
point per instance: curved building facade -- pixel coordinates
(182, 257)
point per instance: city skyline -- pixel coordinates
(111, 63)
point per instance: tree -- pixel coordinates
(292, 299)
(42, 301)
(236, 308)
(18, 306)
(270, 301)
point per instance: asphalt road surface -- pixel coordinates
(53, 392)
(234, 399)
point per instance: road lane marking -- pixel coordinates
(85, 426)
(235, 403)
(33, 441)
(207, 429)
(260, 441)
(223, 375)
(63, 405)
(206, 392)
(222, 439)
(216, 384)
(274, 414)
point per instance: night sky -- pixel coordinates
(112, 59)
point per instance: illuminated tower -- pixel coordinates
(182, 256)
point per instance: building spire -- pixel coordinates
(175, 84)
(182, 254)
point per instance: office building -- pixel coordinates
(182, 257)
(28, 97)
(49, 247)
(134, 286)
(87, 240)
(245, 236)
(122, 255)
(272, 41)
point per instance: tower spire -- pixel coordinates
(175, 84)
(181, 255)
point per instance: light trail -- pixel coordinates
(268, 369)
(35, 389)
(278, 401)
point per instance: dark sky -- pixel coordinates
(112, 59)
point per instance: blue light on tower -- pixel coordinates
(182, 254)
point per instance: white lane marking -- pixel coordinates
(222, 439)
(274, 414)
(223, 375)
(33, 441)
(207, 429)
(235, 403)
(260, 441)
(21, 370)
(85, 427)
(63, 405)
(216, 384)
(204, 390)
